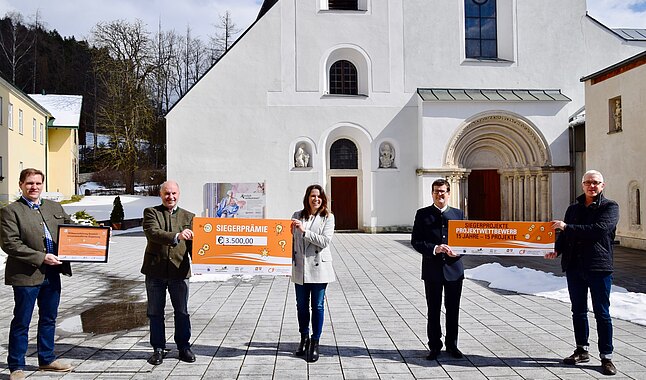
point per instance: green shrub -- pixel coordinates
(75, 198)
(117, 214)
(82, 217)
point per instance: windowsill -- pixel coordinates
(615, 131)
(342, 11)
(344, 96)
(297, 169)
(483, 61)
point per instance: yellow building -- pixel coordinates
(62, 142)
(615, 123)
(31, 137)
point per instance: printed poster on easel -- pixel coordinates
(234, 200)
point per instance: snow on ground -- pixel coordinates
(623, 304)
(100, 206)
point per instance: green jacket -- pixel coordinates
(163, 258)
(23, 240)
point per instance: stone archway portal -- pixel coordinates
(517, 153)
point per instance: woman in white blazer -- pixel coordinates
(312, 230)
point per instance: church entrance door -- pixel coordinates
(484, 195)
(344, 202)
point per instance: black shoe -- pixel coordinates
(313, 355)
(454, 352)
(579, 356)
(186, 355)
(303, 346)
(433, 353)
(157, 357)
(607, 368)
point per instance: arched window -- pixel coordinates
(345, 5)
(343, 78)
(344, 155)
(480, 29)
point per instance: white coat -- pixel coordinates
(312, 257)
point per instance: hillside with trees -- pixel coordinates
(129, 78)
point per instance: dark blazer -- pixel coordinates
(586, 242)
(163, 258)
(23, 239)
(431, 229)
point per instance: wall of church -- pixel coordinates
(244, 121)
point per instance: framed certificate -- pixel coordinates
(83, 243)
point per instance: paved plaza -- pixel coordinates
(375, 327)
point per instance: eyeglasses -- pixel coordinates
(440, 192)
(592, 183)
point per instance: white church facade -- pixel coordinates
(375, 99)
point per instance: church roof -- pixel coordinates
(631, 34)
(266, 5)
(490, 94)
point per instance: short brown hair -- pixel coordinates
(29, 172)
(441, 182)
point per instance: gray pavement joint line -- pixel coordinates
(372, 308)
(231, 325)
(510, 311)
(393, 286)
(282, 325)
(264, 304)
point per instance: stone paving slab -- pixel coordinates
(374, 328)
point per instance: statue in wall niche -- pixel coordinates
(386, 156)
(617, 114)
(301, 158)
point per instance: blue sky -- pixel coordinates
(77, 17)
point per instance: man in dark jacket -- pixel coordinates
(442, 269)
(167, 266)
(29, 236)
(585, 246)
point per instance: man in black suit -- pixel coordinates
(442, 269)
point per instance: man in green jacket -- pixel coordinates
(29, 236)
(167, 266)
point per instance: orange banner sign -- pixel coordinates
(242, 246)
(83, 243)
(476, 237)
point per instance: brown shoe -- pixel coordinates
(579, 356)
(607, 368)
(56, 366)
(17, 375)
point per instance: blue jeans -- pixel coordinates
(316, 294)
(599, 284)
(156, 292)
(48, 296)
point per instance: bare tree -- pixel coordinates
(190, 63)
(125, 65)
(16, 42)
(37, 26)
(224, 37)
